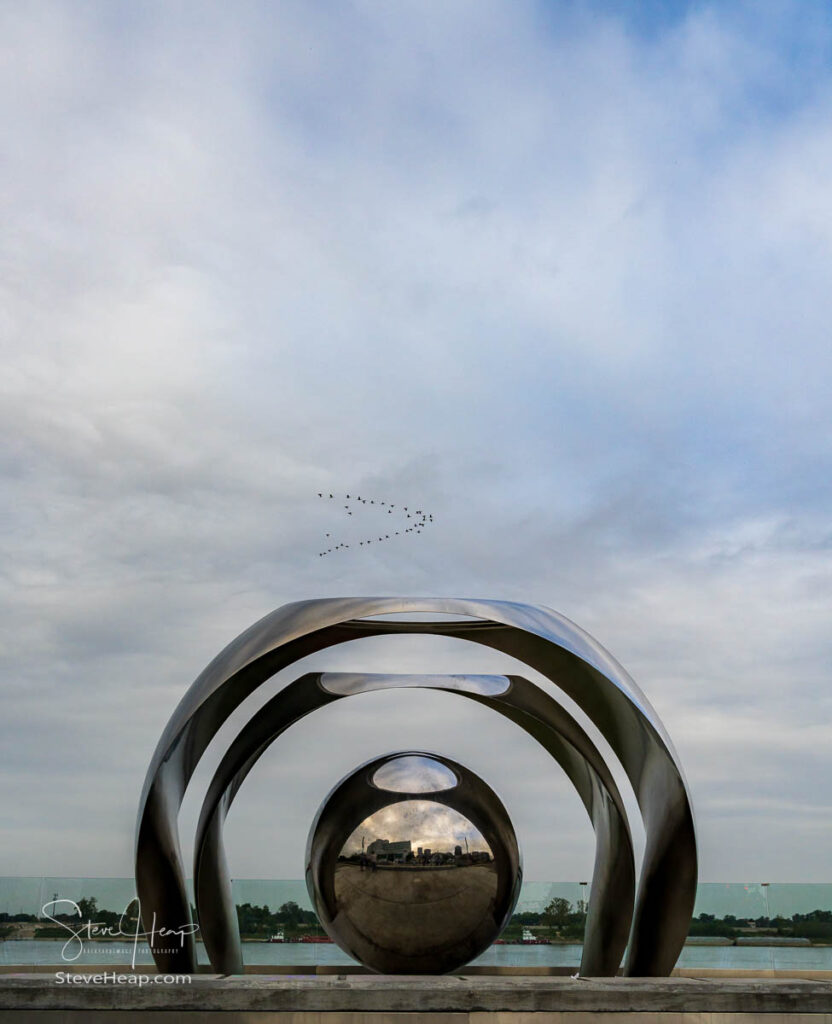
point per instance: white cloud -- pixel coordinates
(560, 281)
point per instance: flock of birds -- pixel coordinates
(420, 520)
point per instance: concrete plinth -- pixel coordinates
(374, 999)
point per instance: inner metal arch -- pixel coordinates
(537, 713)
(538, 637)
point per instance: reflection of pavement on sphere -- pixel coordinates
(417, 911)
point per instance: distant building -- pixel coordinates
(386, 852)
(457, 851)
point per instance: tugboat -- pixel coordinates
(277, 937)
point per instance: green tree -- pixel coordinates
(290, 913)
(556, 914)
(88, 908)
(255, 920)
(526, 918)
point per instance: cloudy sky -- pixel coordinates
(557, 272)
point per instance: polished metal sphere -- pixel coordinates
(412, 864)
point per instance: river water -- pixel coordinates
(736, 958)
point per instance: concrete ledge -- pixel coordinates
(504, 970)
(369, 995)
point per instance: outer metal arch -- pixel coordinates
(538, 714)
(537, 636)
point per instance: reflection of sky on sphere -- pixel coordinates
(414, 774)
(424, 822)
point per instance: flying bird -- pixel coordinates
(422, 519)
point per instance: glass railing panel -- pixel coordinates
(744, 901)
(786, 899)
(270, 892)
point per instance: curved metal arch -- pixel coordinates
(537, 636)
(537, 713)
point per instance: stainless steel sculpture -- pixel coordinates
(613, 880)
(395, 908)
(539, 637)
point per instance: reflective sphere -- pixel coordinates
(412, 864)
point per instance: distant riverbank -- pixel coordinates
(33, 952)
(773, 941)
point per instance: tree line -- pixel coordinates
(558, 920)
(816, 925)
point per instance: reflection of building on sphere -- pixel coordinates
(392, 853)
(395, 904)
(385, 852)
